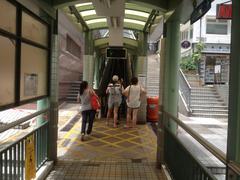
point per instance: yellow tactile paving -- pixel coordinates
(108, 154)
(108, 142)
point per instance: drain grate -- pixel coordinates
(136, 160)
(91, 164)
(71, 123)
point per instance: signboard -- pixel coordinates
(185, 44)
(30, 170)
(200, 10)
(224, 11)
(116, 53)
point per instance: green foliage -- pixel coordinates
(197, 54)
(188, 64)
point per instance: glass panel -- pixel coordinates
(7, 70)
(34, 30)
(211, 20)
(33, 72)
(217, 28)
(7, 16)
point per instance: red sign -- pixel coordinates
(224, 11)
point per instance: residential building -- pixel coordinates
(215, 35)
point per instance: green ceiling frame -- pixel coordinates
(76, 10)
(150, 20)
(127, 41)
(79, 17)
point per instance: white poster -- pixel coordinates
(30, 84)
(142, 78)
(217, 69)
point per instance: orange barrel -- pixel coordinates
(152, 108)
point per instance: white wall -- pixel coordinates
(211, 38)
(207, 38)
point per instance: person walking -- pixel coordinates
(133, 94)
(114, 91)
(88, 113)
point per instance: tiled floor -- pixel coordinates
(105, 170)
(215, 132)
(109, 153)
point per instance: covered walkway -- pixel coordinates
(49, 46)
(108, 153)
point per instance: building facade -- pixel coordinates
(215, 35)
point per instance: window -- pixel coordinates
(34, 30)
(215, 26)
(184, 35)
(7, 16)
(7, 70)
(191, 33)
(34, 71)
(73, 47)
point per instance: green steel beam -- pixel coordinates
(171, 79)
(85, 8)
(79, 17)
(142, 43)
(233, 142)
(150, 20)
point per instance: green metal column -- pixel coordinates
(88, 59)
(96, 71)
(171, 79)
(160, 132)
(141, 69)
(41, 104)
(141, 65)
(54, 87)
(233, 144)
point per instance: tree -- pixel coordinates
(197, 54)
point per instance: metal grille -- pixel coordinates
(12, 158)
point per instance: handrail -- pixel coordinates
(24, 137)
(214, 150)
(22, 120)
(185, 89)
(185, 79)
(234, 166)
(211, 148)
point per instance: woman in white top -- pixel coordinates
(133, 93)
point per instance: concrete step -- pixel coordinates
(206, 103)
(199, 98)
(197, 89)
(213, 107)
(75, 85)
(71, 98)
(205, 94)
(221, 116)
(72, 95)
(75, 88)
(210, 111)
(73, 91)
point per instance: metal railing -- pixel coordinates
(12, 157)
(185, 89)
(181, 163)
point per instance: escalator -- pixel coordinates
(121, 68)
